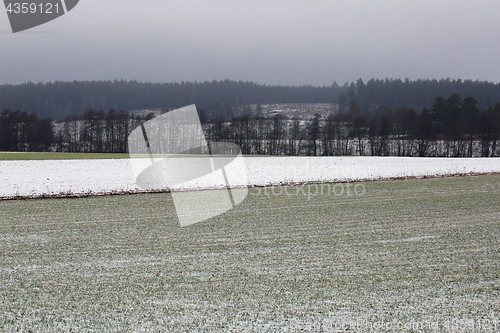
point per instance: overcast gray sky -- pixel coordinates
(267, 41)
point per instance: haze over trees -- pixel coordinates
(58, 100)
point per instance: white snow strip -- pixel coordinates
(83, 177)
(411, 239)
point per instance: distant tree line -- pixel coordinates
(20, 131)
(418, 94)
(61, 99)
(58, 100)
(452, 127)
(96, 132)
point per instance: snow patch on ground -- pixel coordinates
(107, 176)
(411, 239)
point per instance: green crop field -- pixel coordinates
(415, 252)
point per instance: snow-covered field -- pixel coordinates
(84, 177)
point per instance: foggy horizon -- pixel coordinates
(290, 43)
(340, 84)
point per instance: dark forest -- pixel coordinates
(377, 118)
(58, 100)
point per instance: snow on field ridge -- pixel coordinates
(97, 177)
